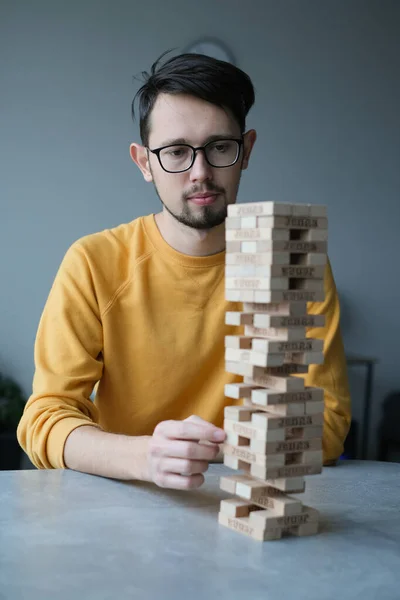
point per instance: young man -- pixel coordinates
(140, 308)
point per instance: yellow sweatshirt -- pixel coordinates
(148, 323)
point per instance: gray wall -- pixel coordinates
(327, 116)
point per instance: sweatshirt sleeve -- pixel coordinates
(68, 363)
(332, 374)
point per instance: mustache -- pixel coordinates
(203, 190)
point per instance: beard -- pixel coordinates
(205, 217)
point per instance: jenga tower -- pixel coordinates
(275, 261)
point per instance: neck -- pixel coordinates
(187, 240)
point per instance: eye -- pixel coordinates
(176, 152)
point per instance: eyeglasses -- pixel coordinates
(180, 157)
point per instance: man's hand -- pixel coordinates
(180, 451)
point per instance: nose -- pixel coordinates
(200, 170)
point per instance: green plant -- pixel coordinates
(12, 403)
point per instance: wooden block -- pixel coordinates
(305, 433)
(309, 259)
(251, 431)
(262, 379)
(248, 222)
(277, 222)
(254, 358)
(265, 397)
(262, 320)
(303, 358)
(275, 380)
(300, 271)
(261, 447)
(294, 409)
(288, 369)
(267, 258)
(235, 235)
(234, 439)
(314, 407)
(254, 490)
(293, 222)
(248, 370)
(232, 462)
(238, 413)
(305, 529)
(274, 245)
(266, 422)
(268, 208)
(235, 507)
(284, 472)
(228, 483)
(238, 318)
(261, 359)
(240, 295)
(240, 271)
(309, 210)
(248, 488)
(312, 285)
(233, 223)
(306, 457)
(314, 235)
(295, 295)
(263, 519)
(293, 334)
(284, 309)
(250, 209)
(257, 283)
(238, 342)
(243, 390)
(244, 454)
(233, 247)
(298, 345)
(304, 247)
(293, 485)
(281, 506)
(273, 270)
(243, 526)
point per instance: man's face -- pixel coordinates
(193, 121)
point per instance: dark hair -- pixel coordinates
(215, 81)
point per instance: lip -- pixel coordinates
(203, 199)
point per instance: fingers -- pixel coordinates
(190, 430)
(180, 451)
(182, 466)
(160, 447)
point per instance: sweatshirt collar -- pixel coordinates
(153, 233)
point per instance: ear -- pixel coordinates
(249, 141)
(139, 156)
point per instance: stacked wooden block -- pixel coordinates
(275, 261)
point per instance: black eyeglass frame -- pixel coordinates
(157, 151)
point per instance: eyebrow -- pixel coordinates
(211, 138)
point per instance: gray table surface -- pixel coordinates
(67, 535)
